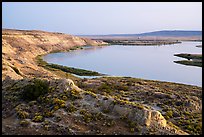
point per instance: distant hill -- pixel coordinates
(167, 33)
(172, 33)
(164, 33)
(159, 35)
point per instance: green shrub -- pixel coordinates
(71, 108)
(22, 114)
(98, 116)
(169, 114)
(105, 88)
(33, 91)
(48, 114)
(87, 117)
(38, 118)
(132, 130)
(121, 87)
(24, 123)
(111, 123)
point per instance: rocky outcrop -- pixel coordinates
(144, 117)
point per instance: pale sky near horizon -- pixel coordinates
(90, 18)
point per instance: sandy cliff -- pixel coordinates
(19, 48)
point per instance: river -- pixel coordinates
(146, 62)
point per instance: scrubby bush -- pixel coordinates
(121, 87)
(105, 88)
(71, 108)
(34, 90)
(38, 118)
(24, 123)
(22, 114)
(169, 114)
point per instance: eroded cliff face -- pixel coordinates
(19, 48)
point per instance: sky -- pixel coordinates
(100, 18)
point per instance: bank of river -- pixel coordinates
(147, 62)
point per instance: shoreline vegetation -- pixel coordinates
(140, 42)
(76, 71)
(192, 59)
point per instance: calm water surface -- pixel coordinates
(147, 62)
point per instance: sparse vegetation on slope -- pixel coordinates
(178, 103)
(108, 113)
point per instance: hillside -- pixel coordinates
(39, 100)
(165, 33)
(19, 48)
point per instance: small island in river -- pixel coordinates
(192, 59)
(141, 42)
(199, 46)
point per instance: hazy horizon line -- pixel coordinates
(99, 34)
